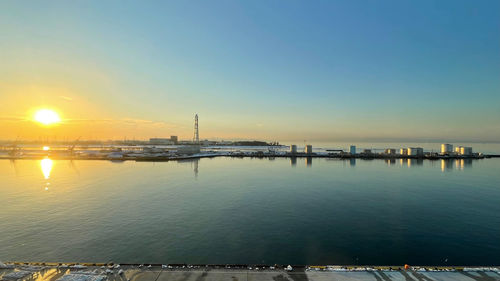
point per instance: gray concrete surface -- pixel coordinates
(19, 272)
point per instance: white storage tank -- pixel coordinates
(446, 148)
(353, 150)
(403, 151)
(465, 150)
(390, 151)
(415, 151)
(309, 149)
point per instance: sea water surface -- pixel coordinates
(231, 210)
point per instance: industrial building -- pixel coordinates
(390, 151)
(446, 148)
(293, 149)
(208, 142)
(164, 141)
(161, 141)
(403, 151)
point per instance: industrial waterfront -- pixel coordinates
(149, 152)
(165, 149)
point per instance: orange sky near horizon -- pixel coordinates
(97, 117)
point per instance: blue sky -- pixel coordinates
(286, 70)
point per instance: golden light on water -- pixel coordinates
(46, 117)
(46, 148)
(46, 165)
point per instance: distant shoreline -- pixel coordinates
(255, 155)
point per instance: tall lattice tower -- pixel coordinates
(196, 138)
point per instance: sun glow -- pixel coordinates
(47, 117)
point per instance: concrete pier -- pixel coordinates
(114, 272)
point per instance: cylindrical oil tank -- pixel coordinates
(309, 149)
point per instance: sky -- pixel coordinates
(269, 70)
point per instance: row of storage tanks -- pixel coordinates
(308, 149)
(411, 151)
(447, 148)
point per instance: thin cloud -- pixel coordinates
(125, 121)
(66, 98)
(12, 119)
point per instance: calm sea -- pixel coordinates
(228, 210)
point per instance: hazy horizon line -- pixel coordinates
(353, 140)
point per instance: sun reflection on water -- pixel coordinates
(46, 165)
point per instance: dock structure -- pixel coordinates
(226, 272)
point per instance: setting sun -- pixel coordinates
(47, 117)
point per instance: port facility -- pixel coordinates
(178, 152)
